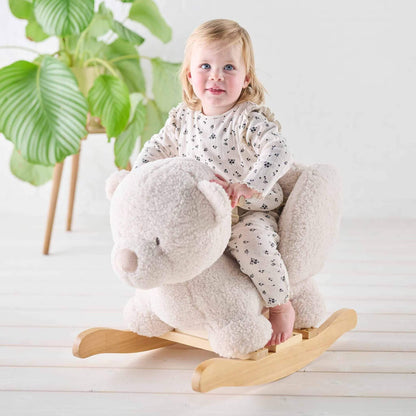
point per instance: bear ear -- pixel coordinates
(217, 197)
(113, 181)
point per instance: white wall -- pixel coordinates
(341, 78)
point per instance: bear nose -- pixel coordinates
(126, 260)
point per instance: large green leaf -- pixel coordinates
(109, 99)
(118, 28)
(154, 121)
(130, 69)
(124, 145)
(125, 33)
(42, 110)
(99, 26)
(34, 31)
(64, 17)
(147, 13)
(22, 9)
(29, 172)
(167, 89)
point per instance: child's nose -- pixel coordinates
(216, 74)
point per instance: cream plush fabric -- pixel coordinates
(171, 226)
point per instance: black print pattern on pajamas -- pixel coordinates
(243, 145)
(253, 244)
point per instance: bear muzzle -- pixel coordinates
(126, 260)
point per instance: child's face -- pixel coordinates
(218, 74)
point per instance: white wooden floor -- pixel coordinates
(46, 300)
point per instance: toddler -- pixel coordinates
(221, 123)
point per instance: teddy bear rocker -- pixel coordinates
(171, 227)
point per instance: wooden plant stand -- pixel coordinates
(93, 127)
(262, 366)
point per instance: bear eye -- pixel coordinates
(157, 241)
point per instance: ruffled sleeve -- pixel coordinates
(164, 144)
(274, 159)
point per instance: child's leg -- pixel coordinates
(253, 244)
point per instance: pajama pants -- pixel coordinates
(253, 244)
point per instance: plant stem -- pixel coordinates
(19, 47)
(121, 58)
(80, 40)
(105, 64)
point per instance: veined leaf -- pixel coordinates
(42, 110)
(125, 33)
(167, 89)
(109, 99)
(154, 121)
(99, 26)
(34, 32)
(64, 17)
(101, 22)
(29, 172)
(130, 68)
(124, 145)
(147, 13)
(22, 9)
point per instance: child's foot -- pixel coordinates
(282, 318)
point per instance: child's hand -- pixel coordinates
(235, 190)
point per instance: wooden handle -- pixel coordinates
(105, 340)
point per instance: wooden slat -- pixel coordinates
(178, 381)
(188, 358)
(358, 279)
(387, 292)
(373, 305)
(132, 404)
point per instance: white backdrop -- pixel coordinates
(341, 78)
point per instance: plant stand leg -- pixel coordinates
(73, 186)
(56, 182)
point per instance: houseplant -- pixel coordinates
(96, 74)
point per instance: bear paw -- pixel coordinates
(240, 337)
(142, 320)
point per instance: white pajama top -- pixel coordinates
(242, 145)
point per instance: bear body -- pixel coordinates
(171, 226)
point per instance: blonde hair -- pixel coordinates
(229, 32)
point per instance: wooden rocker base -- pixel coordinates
(262, 366)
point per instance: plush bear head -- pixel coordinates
(169, 222)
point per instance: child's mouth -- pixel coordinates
(216, 91)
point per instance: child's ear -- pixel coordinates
(189, 77)
(246, 81)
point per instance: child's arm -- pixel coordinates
(273, 156)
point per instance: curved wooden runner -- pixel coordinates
(259, 367)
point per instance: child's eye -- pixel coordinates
(229, 67)
(205, 66)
